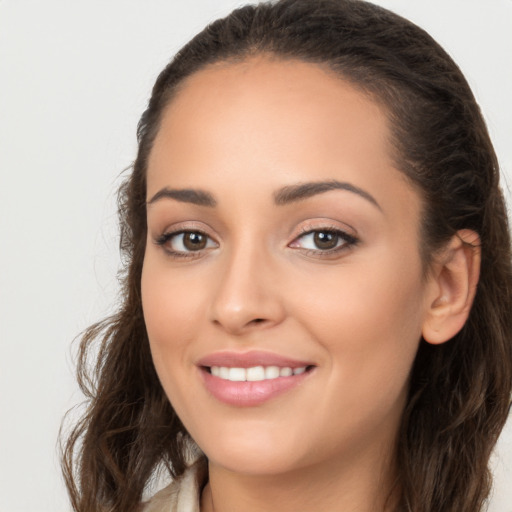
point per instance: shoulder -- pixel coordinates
(183, 494)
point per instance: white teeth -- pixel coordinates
(237, 374)
(272, 372)
(285, 372)
(255, 373)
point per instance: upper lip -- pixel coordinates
(250, 359)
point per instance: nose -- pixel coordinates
(248, 293)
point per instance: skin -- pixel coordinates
(241, 132)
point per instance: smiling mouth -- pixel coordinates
(254, 385)
(247, 379)
(255, 373)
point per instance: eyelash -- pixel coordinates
(344, 242)
(165, 238)
(347, 241)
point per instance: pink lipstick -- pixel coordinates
(251, 378)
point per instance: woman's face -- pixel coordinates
(282, 284)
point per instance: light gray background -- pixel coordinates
(74, 78)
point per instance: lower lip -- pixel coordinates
(248, 394)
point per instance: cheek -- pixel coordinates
(368, 320)
(370, 333)
(171, 308)
(171, 299)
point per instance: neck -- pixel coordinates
(364, 485)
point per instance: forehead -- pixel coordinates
(255, 94)
(265, 122)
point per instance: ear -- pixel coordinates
(452, 288)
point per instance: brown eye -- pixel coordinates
(194, 241)
(182, 243)
(325, 240)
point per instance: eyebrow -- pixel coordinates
(185, 195)
(301, 191)
(283, 196)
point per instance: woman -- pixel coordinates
(318, 283)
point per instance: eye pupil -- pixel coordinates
(194, 241)
(325, 239)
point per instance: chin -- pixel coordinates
(256, 463)
(254, 453)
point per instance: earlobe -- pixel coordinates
(454, 280)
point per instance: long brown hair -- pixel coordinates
(459, 391)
